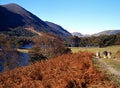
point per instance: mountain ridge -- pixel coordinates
(58, 28)
(77, 34)
(18, 16)
(107, 32)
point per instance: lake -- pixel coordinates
(28, 46)
(20, 59)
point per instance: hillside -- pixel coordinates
(66, 71)
(107, 32)
(13, 15)
(18, 16)
(58, 28)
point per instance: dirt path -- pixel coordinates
(109, 68)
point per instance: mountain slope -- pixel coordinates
(58, 28)
(107, 32)
(13, 15)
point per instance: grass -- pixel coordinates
(112, 49)
(23, 50)
(111, 77)
(116, 65)
(111, 62)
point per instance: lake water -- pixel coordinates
(23, 60)
(29, 46)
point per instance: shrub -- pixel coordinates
(117, 55)
(48, 46)
(66, 71)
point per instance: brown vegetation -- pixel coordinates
(117, 55)
(66, 71)
(47, 46)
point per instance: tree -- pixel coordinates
(48, 46)
(117, 39)
(74, 41)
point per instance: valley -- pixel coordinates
(41, 54)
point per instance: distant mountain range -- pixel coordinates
(77, 34)
(106, 32)
(13, 16)
(80, 34)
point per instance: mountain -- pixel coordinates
(77, 34)
(59, 29)
(13, 16)
(107, 32)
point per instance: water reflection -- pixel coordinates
(1, 65)
(29, 46)
(24, 59)
(12, 59)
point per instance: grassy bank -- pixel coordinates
(111, 62)
(113, 78)
(24, 50)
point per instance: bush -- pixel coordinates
(117, 55)
(48, 46)
(36, 55)
(66, 71)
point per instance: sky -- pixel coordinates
(84, 16)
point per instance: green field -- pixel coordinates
(112, 49)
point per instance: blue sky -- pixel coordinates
(84, 16)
